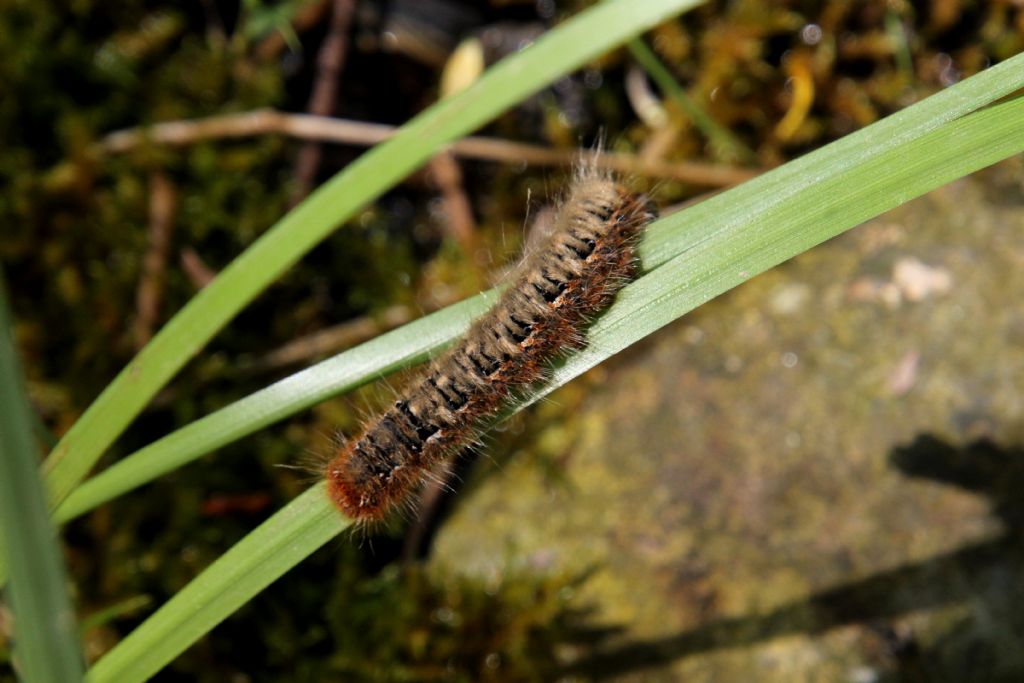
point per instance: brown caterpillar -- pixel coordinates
(572, 276)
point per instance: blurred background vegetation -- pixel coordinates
(100, 248)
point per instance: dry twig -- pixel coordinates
(447, 174)
(196, 270)
(308, 127)
(332, 339)
(162, 205)
(330, 62)
(342, 336)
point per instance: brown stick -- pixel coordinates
(343, 335)
(162, 203)
(331, 339)
(308, 127)
(196, 270)
(430, 499)
(459, 223)
(330, 63)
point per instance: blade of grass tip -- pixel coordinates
(277, 545)
(722, 140)
(123, 608)
(898, 37)
(46, 640)
(724, 258)
(563, 49)
(665, 240)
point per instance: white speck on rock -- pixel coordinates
(918, 281)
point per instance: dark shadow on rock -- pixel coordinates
(981, 467)
(988, 573)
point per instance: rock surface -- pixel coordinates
(817, 476)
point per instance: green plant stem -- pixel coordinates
(898, 36)
(46, 640)
(725, 145)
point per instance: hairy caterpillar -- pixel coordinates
(573, 275)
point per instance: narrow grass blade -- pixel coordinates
(255, 562)
(394, 350)
(797, 184)
(730, 250)
(565, 48)
(46, 640)
(342, 373)
(725, 144)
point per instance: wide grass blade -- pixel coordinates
(46, 640)
(797, 185)
(730, 238)
(739, 247)
(563, 49)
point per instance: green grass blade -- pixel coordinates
(730, 250)
(840, 158)
(47, 648)
(277, 545)
(733, 252)
(725, 144)
(797, 182)
(563, 49)
(392, 351)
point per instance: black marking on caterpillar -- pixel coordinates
(585, 261)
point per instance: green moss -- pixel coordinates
(426, 626)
